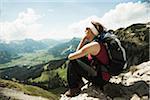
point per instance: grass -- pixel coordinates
(62, 72)
(44, 77)
(28, 89)
(30, 59)
(47, 76)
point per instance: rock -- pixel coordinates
(90, 93)
(11, 94)
(141, 72)
(135, 97)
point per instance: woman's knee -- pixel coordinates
(72, 64)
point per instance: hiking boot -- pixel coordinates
(73, 92)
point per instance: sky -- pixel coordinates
(65, 19)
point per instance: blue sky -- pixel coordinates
(39, 19)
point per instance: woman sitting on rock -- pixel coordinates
(88, 50)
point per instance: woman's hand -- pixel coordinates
(82, 43)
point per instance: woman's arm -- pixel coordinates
(82, 43)
(91, 48)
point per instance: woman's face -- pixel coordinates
(89, 34)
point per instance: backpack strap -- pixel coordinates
(123, 51)
(100, 37)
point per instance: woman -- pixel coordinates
(87, 46)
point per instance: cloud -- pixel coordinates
(78, 28)
(126, 14)
(122, 15)
(24, 26)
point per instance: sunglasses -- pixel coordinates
(87, 28)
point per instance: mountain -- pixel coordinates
(4, 57)
(27, 45)
(50, 42)
(63, 49)
(6, 53)
(12, 50)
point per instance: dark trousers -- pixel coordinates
(75, 73)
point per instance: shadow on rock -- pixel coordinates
(112, 91)
(141, 88)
